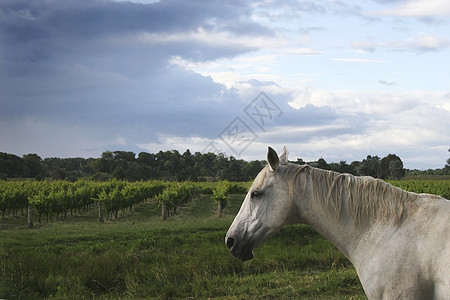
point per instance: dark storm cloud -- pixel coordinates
(64, 60)
(105, 66)
(104, 35)
(36, 24)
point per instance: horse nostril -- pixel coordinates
(230, 242)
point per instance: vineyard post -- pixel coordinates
(100, 211)
(30, 216)
(164, 210)
(220, 193)
(220, 208)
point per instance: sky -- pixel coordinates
(337, 80)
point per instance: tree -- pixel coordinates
(251, 169)
(32, 166)
(58, 173)
(447, 165)
(299, 161)
(322, 164)
(448, 160)
(119, 172)
(369, 167)
(11, 166)
(392, 167)
(106, 163)
(233, 170)
(396, 170)
(169, 166)
(187, 171)
(124, 155)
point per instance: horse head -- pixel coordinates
(266, 208)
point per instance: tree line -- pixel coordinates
(175, 166)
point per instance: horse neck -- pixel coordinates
(330, 216)
(344, 207)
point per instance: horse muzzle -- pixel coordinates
(243, 251)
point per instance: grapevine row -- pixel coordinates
(57, 199)
(435, 187)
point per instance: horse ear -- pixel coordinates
(284, 156)
(272, 159)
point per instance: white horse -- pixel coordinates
(399, 242)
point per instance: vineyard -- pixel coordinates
(58, 199)
(435, 187)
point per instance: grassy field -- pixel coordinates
(138, 256)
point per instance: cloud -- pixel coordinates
(302, 51)
(426, 42)
(170, 142)
(107, 69)
(420, 8)
(31, 135)
(387, 83)
(328, 124)
(179, 103)
(359, 60)
(365, 46)
(420, 43)
(84, 30)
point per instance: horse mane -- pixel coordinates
(366, 199)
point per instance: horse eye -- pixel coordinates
(256, 194)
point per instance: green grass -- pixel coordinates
(139, 256)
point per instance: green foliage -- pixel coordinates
(119, 195)
(176, 166)
(435, 187)
(221, 190)
(170, 195)
(176, 194)
(57, 198)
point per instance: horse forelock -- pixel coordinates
(366, 199)
(259, 180)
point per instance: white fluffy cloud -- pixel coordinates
(374, 123)
(420, 8)
(419, 43)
